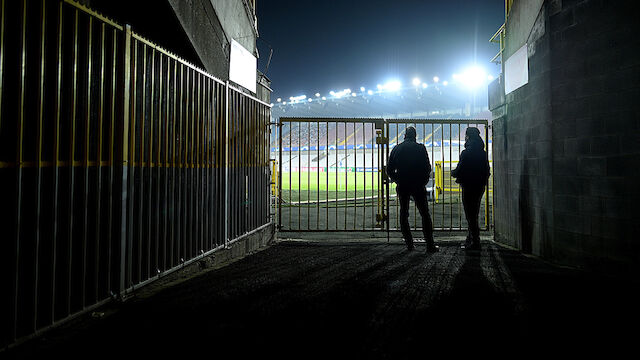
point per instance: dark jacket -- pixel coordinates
(409, 165)
(473, 168)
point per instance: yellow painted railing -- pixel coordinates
(442, 186)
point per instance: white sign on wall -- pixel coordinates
(242, 66)
(516, 70)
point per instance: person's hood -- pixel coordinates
(474, 143)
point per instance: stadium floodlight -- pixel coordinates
(353, 94)
(393, 85)
(342, 93)
(332, 92)
(317, 94)
(362, 88)
(445, 83)
(310, 99)
(424, 85)
(298, 98)
(284, 103)
(324, 98)
(473, 77)
(416, 81)
(279, 99)
(379, 87)
(370, 92)
(436, 79)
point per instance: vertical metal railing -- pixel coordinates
(57, 170)
(444, 141)
(323, 182)
(118, 160)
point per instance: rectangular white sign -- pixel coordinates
(242, 66)
(516, 70)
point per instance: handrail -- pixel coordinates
(500, 34)
(500, 30)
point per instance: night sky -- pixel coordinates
(320, 46)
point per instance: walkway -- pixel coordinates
(359, 300)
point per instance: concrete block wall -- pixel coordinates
(567, 144)
(522, 155)
(595, 57)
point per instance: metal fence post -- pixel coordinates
(279, 175)
(125, 158)
(486, 197)
(226, 164)
(384, 164)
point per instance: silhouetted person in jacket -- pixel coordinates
(409, 167)
(472, 173)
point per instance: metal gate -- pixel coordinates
(332, 173)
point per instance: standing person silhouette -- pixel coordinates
(472, 173)
(409, 167)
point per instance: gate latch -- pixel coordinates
(381, 140)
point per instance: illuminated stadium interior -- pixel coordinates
(462, 97)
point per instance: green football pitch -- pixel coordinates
(331, 181)
(319, 185)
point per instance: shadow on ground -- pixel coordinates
(360, 300)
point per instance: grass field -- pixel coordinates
(331, 181)
(357, 205)
(314, 185)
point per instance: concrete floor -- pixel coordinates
(361, 299)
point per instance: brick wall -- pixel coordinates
(567, 149)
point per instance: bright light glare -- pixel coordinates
(416, 82)
(324, 98)
(436, 79)
(424, 85)
(342, 93)
(362, 88)
(317, 94)
(298, 98)
(393, 85)
(279, 99)
(370, 92)
(379, 87)
(445, 83)
(490, 77)
(473, 77)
